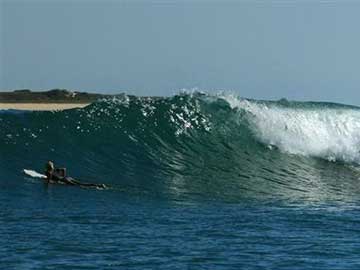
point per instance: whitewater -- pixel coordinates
(196, 180)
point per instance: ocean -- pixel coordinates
(196, 181)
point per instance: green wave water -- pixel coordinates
(195, 146)
(197, 181)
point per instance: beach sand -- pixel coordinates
(41, 106)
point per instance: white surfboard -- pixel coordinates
(34, 174)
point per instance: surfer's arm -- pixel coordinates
(48, 177)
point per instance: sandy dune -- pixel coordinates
(41, 106)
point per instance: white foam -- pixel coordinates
(330, 133)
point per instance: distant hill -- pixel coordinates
(51, 96)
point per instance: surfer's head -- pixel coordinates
(50, 166)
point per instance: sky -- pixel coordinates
(299, 50)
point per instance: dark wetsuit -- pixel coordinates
(53, 176)
(49, 170)
(58, 175)
(74, 182)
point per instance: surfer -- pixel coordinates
(59, 175)
(49, 170)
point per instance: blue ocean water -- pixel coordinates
(195, 182)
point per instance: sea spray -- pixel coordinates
(324, 130)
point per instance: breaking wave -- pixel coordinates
(194, 145)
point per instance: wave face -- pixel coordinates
(194, 146)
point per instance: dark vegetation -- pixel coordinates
(51, 96)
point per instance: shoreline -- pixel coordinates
(40, 106)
